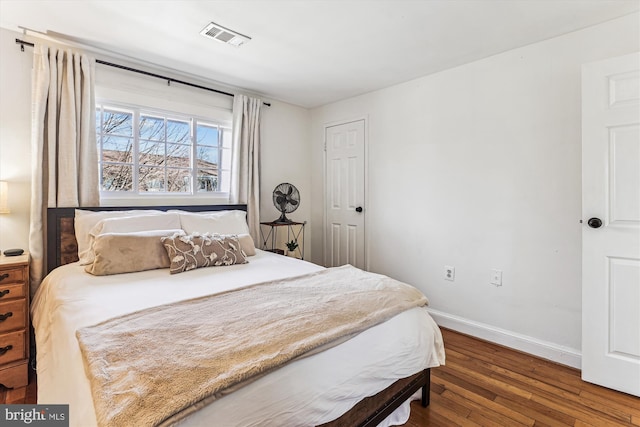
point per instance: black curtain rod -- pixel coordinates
(146, 73)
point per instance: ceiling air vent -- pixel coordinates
(224, 35)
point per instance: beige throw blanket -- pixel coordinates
(148, 366)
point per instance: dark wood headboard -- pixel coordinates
(62, 247)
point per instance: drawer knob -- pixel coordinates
(3, 276)
(3, 350)
(4, 292)
(5, 316)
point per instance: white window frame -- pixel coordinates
(224, 131)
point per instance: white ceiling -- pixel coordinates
(308, 52)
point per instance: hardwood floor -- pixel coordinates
(489, 385)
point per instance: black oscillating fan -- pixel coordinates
(286, 199)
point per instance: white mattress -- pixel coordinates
(309, 391)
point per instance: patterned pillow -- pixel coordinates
(203, 250)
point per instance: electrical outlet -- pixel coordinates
(449, 273)
(496, 277)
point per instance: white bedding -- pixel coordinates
(309, 391)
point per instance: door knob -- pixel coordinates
(359, 209)
(594, 222)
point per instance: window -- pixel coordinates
(145, 152)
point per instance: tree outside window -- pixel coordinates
(145, 152)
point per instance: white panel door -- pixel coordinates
(345, 176)
(611, 223)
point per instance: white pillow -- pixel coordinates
(178, 211)
(222, 222)
(129, 224)
(86, 220)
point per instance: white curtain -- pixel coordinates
(245, 179)
(63, 142)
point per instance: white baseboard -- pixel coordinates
(546, 350)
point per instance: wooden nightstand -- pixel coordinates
(14, 321)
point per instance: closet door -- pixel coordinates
(345, 194)
(611, 223)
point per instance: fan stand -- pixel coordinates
(282, 220)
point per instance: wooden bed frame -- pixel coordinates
(62, 248)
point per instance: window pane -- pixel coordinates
(151, 153)
(226, 160)
(117, 123)
(225, 181)
(178, 132)
(178, 155)
(156, 152)
(117, 149)
(207, 156)
(207, 180)
(152, 128)
(151, 179)
(117, 177)
(207, 135)
(226, 138)
(179, 180)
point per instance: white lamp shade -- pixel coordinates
(4, 196)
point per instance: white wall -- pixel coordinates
(479, 167)
(286, 157)
(15, 139)
(285, 137)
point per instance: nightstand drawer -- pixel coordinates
(12, 275)
(10, 291)
(12, 347)
(12, 315)
(14, 320)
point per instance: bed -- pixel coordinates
(367, 380)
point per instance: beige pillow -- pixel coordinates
(117, 253)
(203, 250)
(247, 243)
